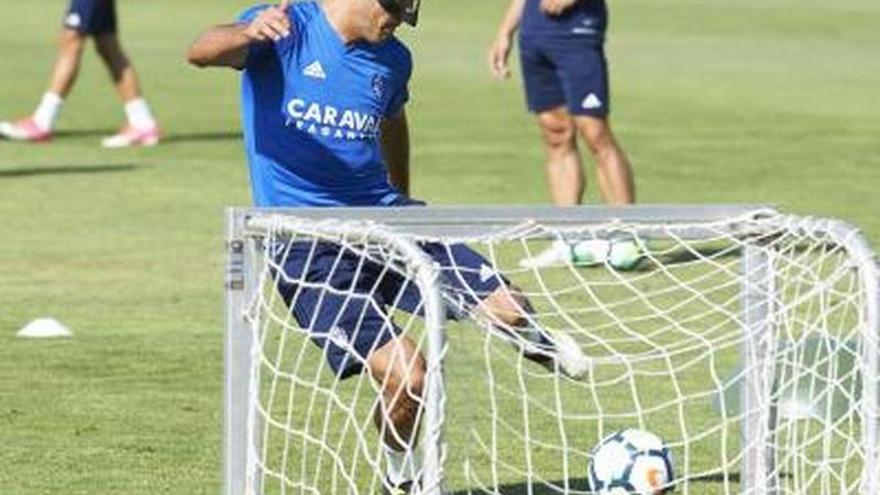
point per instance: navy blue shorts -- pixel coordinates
(341, 298)
(565, 71)
(91, 17)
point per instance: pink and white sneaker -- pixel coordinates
(131, 136)
(25, 130)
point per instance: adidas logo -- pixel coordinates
(591, 102)
(315, 70)
(486, 272)
(73, 20)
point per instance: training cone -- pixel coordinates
(44, 328)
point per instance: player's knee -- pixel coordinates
(108, 48)
(71, 42)
(598, 136)
(508, 307)
(415, 384)
(402, 397)
(558, 132)
(405, 384)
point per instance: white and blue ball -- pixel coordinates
(631, 462)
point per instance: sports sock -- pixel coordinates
(47, 111)
(537, 335)
(139, 115)
(403, 466)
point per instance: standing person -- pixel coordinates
(89, 19)
(324, 88)
(566, 84)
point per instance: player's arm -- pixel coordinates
(228, 45)
(395, 149)
(499, 52)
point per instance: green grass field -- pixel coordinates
(772, 102)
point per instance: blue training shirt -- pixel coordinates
(312, 108)
(586, 19)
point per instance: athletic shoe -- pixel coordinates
(557, 352)
(130, 136)
(405, 488)
(569, 358)
(557, 254)
(620, 254)
(25, 130)
(624, 254)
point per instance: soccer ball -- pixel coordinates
(631, 462)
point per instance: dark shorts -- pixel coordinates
(342, 299)
(563, 71)
(91, 17)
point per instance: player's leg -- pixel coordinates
(613, 170)
(71, 44)
(480, 291)
(351, 312)
(39, 126)
(584, 74)
(511, 312)
(545, 98)
(563, 165)
(142, 128)
(400, 370)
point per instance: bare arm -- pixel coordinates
(499, 52)
(228, 45)
(221, 46)
(395, 149)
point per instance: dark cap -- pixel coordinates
(406, 10)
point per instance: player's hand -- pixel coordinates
(270, 24)
(499, 53)
(556, 7)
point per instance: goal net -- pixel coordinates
(746, 339)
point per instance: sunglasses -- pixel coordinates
(409, 15)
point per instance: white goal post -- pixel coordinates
(748, 339)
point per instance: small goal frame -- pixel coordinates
(402, 227)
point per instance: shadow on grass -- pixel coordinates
(193, 137)
(581, 485)
(683, 256)
(81, 133)
(202, 137)
(67, 170)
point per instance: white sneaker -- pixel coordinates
(25, 130)
(620, 254)
(570, 358)
(624, 255)
(590, 252)
(131, 136)
(563, 354)
(557, 254)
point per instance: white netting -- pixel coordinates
(712, 311)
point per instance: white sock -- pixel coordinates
(48, 110)
(139, 115)
(402, 466)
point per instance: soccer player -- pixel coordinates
(324, 88)
(85, 19)
(566, 83)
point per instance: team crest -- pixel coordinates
(380, 86)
